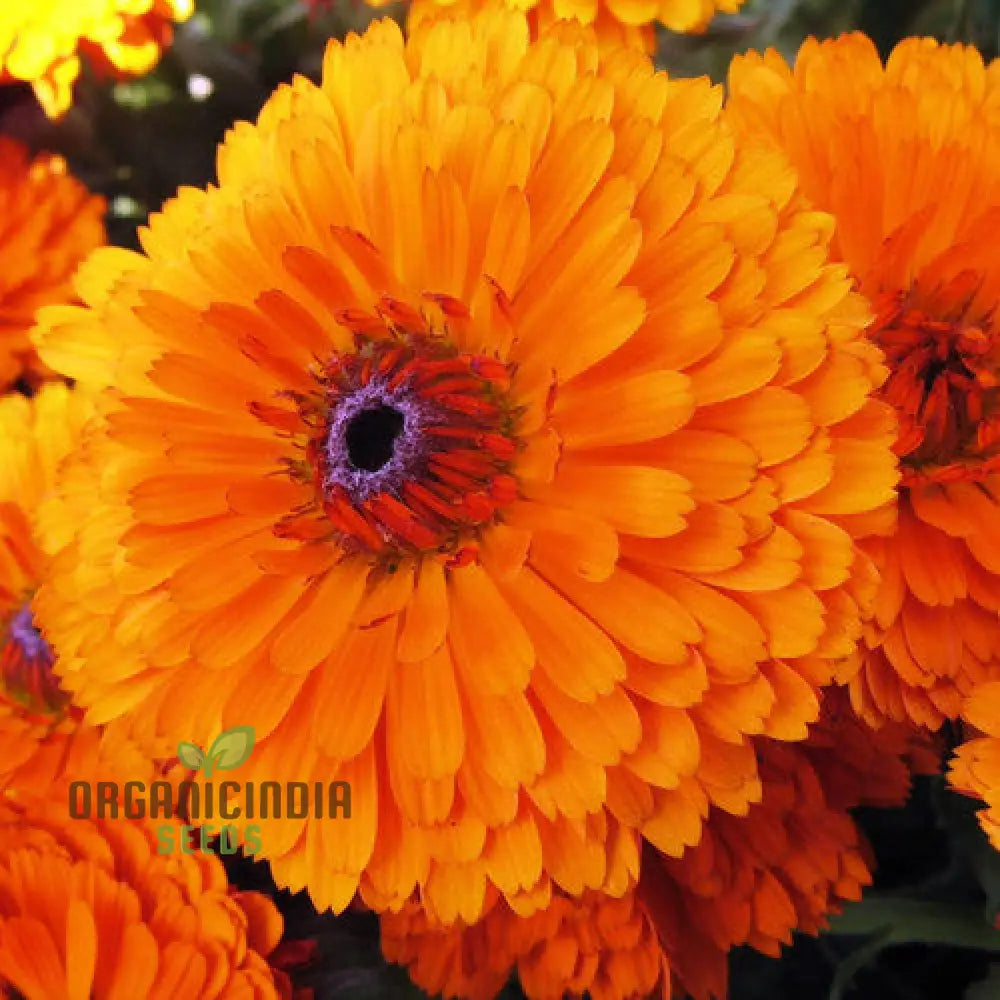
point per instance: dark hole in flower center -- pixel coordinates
(371, 435)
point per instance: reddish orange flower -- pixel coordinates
(858, 766)
(916, 195)
(89, 909)
(594, 944)
(48, 224)
(492, 437)
(784, 867)
(41, 41)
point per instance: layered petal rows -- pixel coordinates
(794, 859)
(89, 909)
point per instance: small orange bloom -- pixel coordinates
(916, 194)
(784, 867)
(41, 41)
(493, 437)
(48, 224)
(89, 909)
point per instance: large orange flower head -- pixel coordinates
(48, 224)
(42, 736)
(41, 42)
(916, 195)
(792, 861)
(492, 438)
(89, 908)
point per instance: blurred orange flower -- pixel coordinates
(89, 909)
(493, 437)
(48, 224)
(784, 867)
(916, 195)
(41, 41)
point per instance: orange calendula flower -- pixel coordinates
(916, 195)
(41, 42)
(42, 736)
(631, 22)
(48, 223)
(595, 945)
(492, 437)
(784, 867)
(89, 908)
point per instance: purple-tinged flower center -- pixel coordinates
(22, 631)
(26, 661)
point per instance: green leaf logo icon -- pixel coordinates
(191, 756)
(230, 749)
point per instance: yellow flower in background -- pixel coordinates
(493, 437)
(48, 223)
(42, 41)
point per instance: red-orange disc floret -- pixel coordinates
(411, 441)
(943, 384)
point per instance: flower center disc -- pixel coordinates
(26, 661)
(944, 387)
(410, 448)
